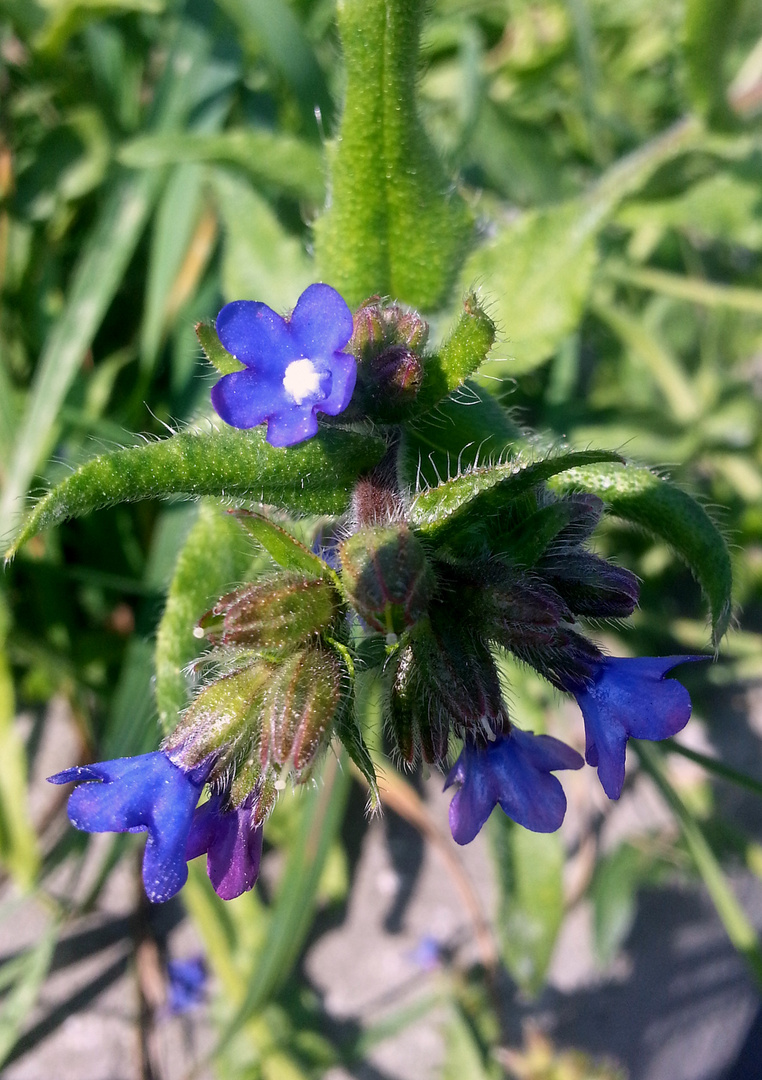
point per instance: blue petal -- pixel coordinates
(233, 845)
(321, 322)
(513, 772)
(292, 427)
(245, 399)
(256, 335)
(148, 792)
(344, 371)
(629, 697)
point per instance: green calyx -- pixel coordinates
(387, 577)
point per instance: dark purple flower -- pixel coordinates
(629, 697)
(146, 793)
(295, 367)
(233, 845)
(513, 772)
(186, 984)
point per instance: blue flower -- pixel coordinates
(295, 367)
(232, 842)
(513, 772)
(629, 697)
(186, 984)
(137, 794)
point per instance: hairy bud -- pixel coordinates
(388, 342)
(387, 576)
(222, 715)
(282, 612)
(299, 708)
(592, 586)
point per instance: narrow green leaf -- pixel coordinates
(314, 477)
(261, 260)
(537, 274)
(455, 502)
(175, 220)
(97, 275)
(213, 559)
(322, 811)
(20, 1000)
(393, 225)
(709, 26)
(464, 1059)
(641, 497)
(270, 158)
(284, 548)
(19, 850)
(272, 27)
(215, 351)
(461, 354)
(742, 934)
(530, 874)
(618, 876)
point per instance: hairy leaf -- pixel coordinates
(314, 477)
(641, 497)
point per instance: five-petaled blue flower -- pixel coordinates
(294, 367)
(514, 772)
(150, 793)
(630, 697)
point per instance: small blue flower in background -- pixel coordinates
(145, 793)
(295, 367)
(513, 772)
(232, 843)
(630, 697)
(186, 984)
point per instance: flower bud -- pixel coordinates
(299, 707)
(592, 586)
(223, 714)
(394, 376)
(444, 681)
(283, 612)
(387, 576)
(387, 341)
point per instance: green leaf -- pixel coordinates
(215, 351)
(461, 354)
(99, 271)
(261, 260)
(393, 226)
(32, 969)
(69, 16)
(613, 891)
(284, 548)
(641, 497)
(453, 504)
(464, 1058)
(19, 850)
(709, 26)
(314, 477)
(212, 560)
(464, 429)
(274, 159)
(531, 907)
(321, 814)
(537, 274)
(739, 929)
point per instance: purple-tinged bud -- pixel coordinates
(592, 586)
(299, 708)
(284, 612)
(378, 325)
(410, 329)
(585, 512)
(387, 577)
(394, 376)
(519, 613)
(443, 682)
(222, 715)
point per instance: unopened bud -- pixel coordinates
(283, 612)
(299, 708)
(591, 586)
(387, 576)
(224, 713)
(395, 375)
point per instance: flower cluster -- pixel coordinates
(520, 579)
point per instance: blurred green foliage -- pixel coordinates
(599, 162)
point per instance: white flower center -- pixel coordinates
(302, 380)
